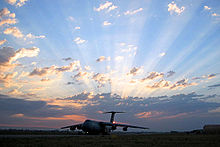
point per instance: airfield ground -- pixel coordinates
(113, 140)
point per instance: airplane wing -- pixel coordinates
(121, 125)
(73, 127)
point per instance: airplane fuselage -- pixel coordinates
(92, 126)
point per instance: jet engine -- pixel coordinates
(114, 128)
(125, 128)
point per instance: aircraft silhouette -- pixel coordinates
(98, 127)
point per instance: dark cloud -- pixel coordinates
(182, 83)
(68, 59)
(170, 73)
(135, 70)
(24, 112)
(214, 86)
(6, 53)
(171, 111)
(70, 83)
(153, 75)
(211, 76)
(55, 70)
(163, 109)
(160, 84)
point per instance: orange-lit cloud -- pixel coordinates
(161, 84)
(6, 13)
(17, 3)
(103, 58)
(101, 79)
(173, 116)
(182, 84)
(153, 75)
(55, 70)
(14, 32)
(150, 114)
(76, 118)
(8, 21)
(7, 78)
(2, 41)
(136, 70)
(106, 23)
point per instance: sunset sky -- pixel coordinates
(64, 61)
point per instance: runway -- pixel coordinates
(36, 136)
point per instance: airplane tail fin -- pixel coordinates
(113, 115)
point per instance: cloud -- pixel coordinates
(119, 58)
(67, 59)
(173, 8)
(6, 17)
(214, 86)
(59, 111)
(45, 80)
(13, 31)
(2, 41)
(149, 114)
(133, 12)
(78, 40)
(70, 18)
(161, 84)
(207, 8)
(134, 71)
(217, 110)
(101, 79)
(26, 52)
(8, 55)
(170, 73)
(82, 75)
(215, 14)
(103, 6)
(75, 118)
(103, 58)
(162, 54)
(31, 36)
(55, 70)
(211, 76)
(87, 68)
(6, 79)
(112, 8)
(153, 75)
(12, 2)
(8, 21)
(77, 28)
(4, 12)
(21, 3)
(106, 23)
(17, 3)
(15, 92)
(16, 111)
(17, 115)
(182, 83)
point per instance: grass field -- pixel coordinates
(116, 140)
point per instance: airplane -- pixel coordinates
(98, 127)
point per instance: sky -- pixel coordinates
(62, 62)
